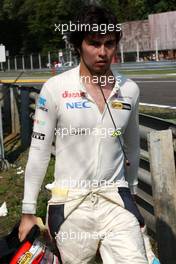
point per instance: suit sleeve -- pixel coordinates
(40, 149)
(132, 147)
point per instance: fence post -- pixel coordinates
(156, 52)
(6, 108)
(14, 112)
(137, 52)
(40, 63)
(31, 61)
(8, 63)
(49, 58)
(164, 185)
(25, 119)
(15, 62)
(23, 63)
(70, 55)
(1, 137)
(121, 51)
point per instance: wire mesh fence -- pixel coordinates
(39, 61)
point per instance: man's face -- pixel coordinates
(97, 52)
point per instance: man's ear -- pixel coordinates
(79, 50)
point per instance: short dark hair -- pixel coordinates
(91, 15)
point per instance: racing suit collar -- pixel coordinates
(114, 90)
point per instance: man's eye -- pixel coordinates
(95, 44)
(110, 43)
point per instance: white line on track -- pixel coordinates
(156, 81)
(157, 105)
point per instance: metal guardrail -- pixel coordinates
(4, 164)
(145, 198)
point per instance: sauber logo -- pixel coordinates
(78, 105)
(67, 94)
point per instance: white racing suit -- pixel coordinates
(83, 221)
(87, 154)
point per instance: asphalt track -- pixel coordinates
(157, 91)
(160, 91)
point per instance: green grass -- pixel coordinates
(11, 191)
(172, 121)
(165, 113)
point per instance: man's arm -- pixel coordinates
(132, 147)
(39, 156)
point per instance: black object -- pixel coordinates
(10, 244)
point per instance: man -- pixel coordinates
(97, 137)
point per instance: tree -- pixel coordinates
(28, 25)
(41, 17)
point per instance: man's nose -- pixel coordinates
(102, 51)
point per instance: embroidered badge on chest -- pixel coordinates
(120, 105)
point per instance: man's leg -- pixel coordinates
(131, 206)
(75, 239)
(122, 242)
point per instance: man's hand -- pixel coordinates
(27, 222)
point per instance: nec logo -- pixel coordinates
(78, 105)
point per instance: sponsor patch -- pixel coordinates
(116, 133)
(25, 258)
(39, 122)
(120, 105)
(78, 105)
(41, 103)
(116, 105)
(38, 135)
(67, 94)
